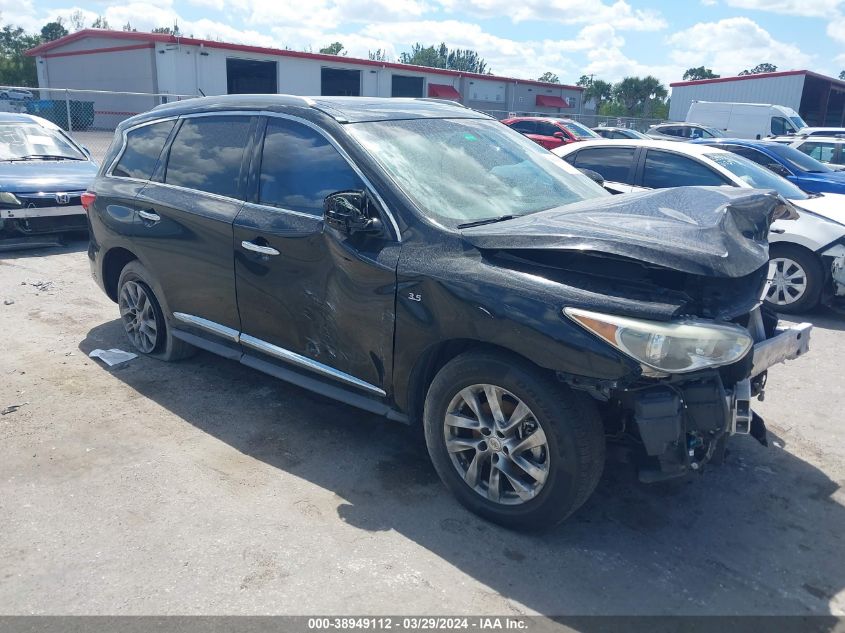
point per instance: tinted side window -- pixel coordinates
(780, 126)
(143, 147)
(613, 163)
(299, 168)
(819, 150)
(751, 154)
(664, 169)
(546, 129)
(671, 131)
(525, 127)
(207, 154)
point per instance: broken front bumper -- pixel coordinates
(787, 344)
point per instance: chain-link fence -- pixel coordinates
(590, 120)
(90, 116)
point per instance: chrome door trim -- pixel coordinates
(277, 352)
(307, 363)
(215, 328)
(257, 248)
(148, 215)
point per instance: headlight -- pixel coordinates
(9, 199)
(674, 348)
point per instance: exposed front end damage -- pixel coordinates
(835, 258)
(682, 422)
(672, 280)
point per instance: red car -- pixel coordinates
(551, 132)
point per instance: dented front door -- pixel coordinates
(306, 291)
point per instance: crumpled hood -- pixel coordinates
(714, 231)
(46, 175)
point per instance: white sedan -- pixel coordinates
(807, 254)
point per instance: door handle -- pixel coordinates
(257, 248)
(149, 215)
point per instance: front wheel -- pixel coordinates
(512, 444)
(796, 279)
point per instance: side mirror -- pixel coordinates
(593, 175)
(779, 169)
(559, 135)
(349, 212)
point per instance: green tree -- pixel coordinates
(441, 57)
(53, 30)
(100, 23)
(760, 68)
(599, 91)
(16, 69)
(378, 55)
(842, 75)
(549, 78)
(640, 96)
(334, 48)
(584, 81)
(693, 74)
(128, 27)
(77, 20)
(167, 30)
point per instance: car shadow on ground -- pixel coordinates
(759, 535)
(827, 317)
(24, 247)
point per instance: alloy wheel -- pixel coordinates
(138, 314)
(496, 444)
(787, 281)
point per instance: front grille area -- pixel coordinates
(48, 199)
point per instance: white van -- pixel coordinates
(746, 120)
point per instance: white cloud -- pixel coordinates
(731, 45)
(836, 29)
(805, 8)
(619, 15)
(611, 64)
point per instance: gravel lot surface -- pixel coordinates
(206, 487)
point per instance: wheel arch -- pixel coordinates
(114, 261)
(434, 358)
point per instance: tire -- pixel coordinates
(566, 468)
(797, 279)
(143, 319)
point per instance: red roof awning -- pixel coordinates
(443, 91)
(548, 101)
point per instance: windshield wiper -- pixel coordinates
(500, 218)
(45, 157)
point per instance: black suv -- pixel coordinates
(422, 261)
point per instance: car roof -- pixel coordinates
(674, 146)
(17, 117)
(341, 109)
(678, 123)
(839, 138)
(553, 119)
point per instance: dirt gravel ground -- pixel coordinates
(206, 487)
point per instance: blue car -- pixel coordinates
(43, 173)
(805, 171)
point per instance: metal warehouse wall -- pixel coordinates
(785, 91)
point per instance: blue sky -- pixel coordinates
(523, 38)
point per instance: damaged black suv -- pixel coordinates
(424, 262)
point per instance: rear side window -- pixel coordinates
(299, 168)
(664, 169)
(613, 163)
(143, 147)
(207, 154)
(751, 154)
(546, 129)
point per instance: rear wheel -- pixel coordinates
(514, 445)
(142, 316)
(796, 279)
